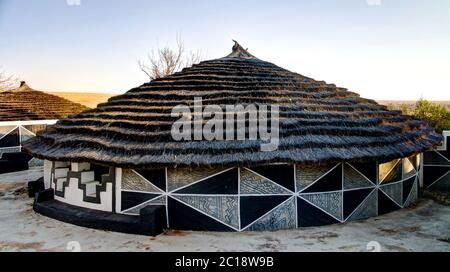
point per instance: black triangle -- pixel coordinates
(11, 139)
(407, 186)
(330, 182)
(435, 158)
(131, 199)
(369, 170)
(308, 215)
(446, 153)
(253, 207)
(433, 173)
(282, 174)
(442, 185)
(385, 204)
(353, 198)
(156, 177)
(183, 217)
(225, 183)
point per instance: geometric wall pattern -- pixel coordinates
(273, 197)
(11, 138)
(436, 164)
(138, 192)
(82, 184)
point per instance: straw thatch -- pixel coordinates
(319, 122)
(24, 104)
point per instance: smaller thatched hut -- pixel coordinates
(23, 112)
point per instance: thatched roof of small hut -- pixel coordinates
(25, 104)
(319, 122)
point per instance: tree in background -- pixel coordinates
(436, 115)
(7, 82)
(165, 61)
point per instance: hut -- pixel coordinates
(340, 157)
(23, 112)
(436, 167)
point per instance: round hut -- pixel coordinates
(23, 112)
(339, 157)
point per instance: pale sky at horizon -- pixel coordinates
(399, 50)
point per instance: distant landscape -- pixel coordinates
(91, 100)
(410, 103)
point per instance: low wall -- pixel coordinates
(270, 197)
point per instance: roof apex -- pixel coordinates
(240, 52)
(23, 87)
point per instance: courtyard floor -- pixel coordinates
(424, 227)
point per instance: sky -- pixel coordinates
(381, 49)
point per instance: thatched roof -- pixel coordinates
(319, 122)
(25, 104)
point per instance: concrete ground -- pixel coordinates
(425, 227)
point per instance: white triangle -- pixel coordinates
(281, 217)
(394, 191)
(253, 183)
(224, 209)
(329, 202)
(354, 179)
(133, 181)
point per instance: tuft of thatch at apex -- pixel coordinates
(25, 104)
(319, 122)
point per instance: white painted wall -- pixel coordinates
(118, 190)
(74, 196)
(47, 173)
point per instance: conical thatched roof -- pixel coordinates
(24, 104)
(319, 122)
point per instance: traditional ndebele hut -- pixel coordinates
(340, 157)
(23, 112)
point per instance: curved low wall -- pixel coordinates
(270, 197)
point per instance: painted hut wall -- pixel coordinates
(271, 197)
(118, 189)
(436, 164)
(74, 196)
(74, 184)
(14, 133)
(48, 165)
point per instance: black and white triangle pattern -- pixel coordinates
(275, 197)
(12, 137)
(436, 167)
